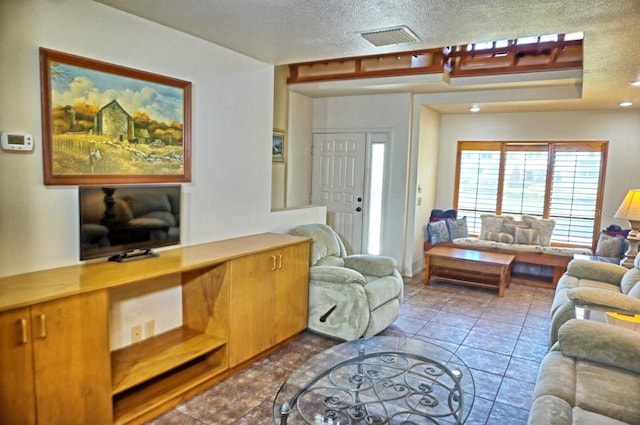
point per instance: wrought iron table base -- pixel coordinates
(386, 387)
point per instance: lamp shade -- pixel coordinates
(630, 207)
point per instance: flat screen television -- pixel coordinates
(122, 222)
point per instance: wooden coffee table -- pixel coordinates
(468, 267)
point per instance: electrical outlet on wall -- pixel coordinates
(136, 333)
(149, 328)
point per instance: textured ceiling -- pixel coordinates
(287, 31)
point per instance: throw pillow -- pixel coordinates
(610, 246)
(527, 236)
(458, 228)
(437, 215)
(511, 228)
(437, 232)
(490, 223)
(544, 226)
(615, 230)
(500, 237)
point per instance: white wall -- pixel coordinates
(620, 127)
(377, 112)
(232, 113)
(232, 122)
(424, 165)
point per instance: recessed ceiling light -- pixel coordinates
(625, 104)
(474, 108)
(636, 83)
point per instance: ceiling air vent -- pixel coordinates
(390, 36)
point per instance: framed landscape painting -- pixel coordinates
(107, 124)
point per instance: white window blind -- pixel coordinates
(558, 180)
(525, 175)
(478, 189)
(574, 195)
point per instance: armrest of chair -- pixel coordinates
(332, 274)
(602, 343)
(375, 265)
(595, 270)
(602, 299)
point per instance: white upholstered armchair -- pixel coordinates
(350, 296)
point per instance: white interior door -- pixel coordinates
(338, 182)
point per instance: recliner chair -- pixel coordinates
(350, 296)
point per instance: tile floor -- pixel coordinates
(502, 341)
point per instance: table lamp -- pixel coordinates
(630, 210)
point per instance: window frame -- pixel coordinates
(551, 147)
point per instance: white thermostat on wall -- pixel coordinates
(12, 141)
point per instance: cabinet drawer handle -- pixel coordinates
(280, 261)
(43, 325)
(23, 331)
(273, 264)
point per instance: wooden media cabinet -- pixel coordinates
(241, 298)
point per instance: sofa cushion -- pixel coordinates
(527, 236)
(610, 246)
(550, 410)
(565, 250)
(331, 260)
(544, 226)
(457, 228)
(335, 275)
(437, 232)
(437, 215)
(382, 290)
(483, 243)
(500, 237)
(629, 280)
(376, 265)
(490, 223)
(325, 241)
(598, 342)
(595, 270)
(589, 377)
(635, 292)
(511, 228)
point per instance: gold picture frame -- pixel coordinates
(108, 124)
(279, 145)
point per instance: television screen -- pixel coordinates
(122, 221)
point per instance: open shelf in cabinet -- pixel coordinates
(150, 397)
(147, 359)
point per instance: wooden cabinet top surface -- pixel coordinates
(35, 287)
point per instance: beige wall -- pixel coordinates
(620, 127)
(426, 185)
(280, 119)
(232, 123)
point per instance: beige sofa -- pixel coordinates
(598, 286)
(536, 261)
(591, 376)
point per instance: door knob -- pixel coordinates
(358, 209)
(359, 199)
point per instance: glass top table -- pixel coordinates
(379, 380)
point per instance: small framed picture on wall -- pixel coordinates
(278, 146)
